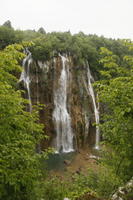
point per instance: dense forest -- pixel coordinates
(23, 175)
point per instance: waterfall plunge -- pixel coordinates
(96, 112)
(25, 75)
(61, 117)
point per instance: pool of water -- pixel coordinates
(59, 161)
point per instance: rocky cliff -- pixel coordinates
(64, 88)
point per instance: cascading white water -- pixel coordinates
(61, 117)
(86, 126)
(96, 109)
(37, 87)
(25, 76)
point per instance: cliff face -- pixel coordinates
(69, 111)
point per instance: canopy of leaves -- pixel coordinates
(7, 24)
(81, 46)
(116, 94)
(19, 133)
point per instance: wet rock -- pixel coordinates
(67, 162)
(88, 196)
(125, 192)
(78, 171)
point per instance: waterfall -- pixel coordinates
(96, 109)
(37, 86)
(86, 126)
(61, 117)
(25, 75)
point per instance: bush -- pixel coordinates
(102, 181)
(51, 189)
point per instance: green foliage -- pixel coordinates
(7, 24)
(42, 49)
(52, 189)
(116, 93)
(19, 133)
(56, 188)
(30, 35)
(41, 30)
(80, 46)
(7, 36)
(101, 183)
(78, 188)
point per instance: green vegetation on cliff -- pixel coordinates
(80, 46)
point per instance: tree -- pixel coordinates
(7, 24)
(19, 133)
(41, 30)
(116, 94)
(7, 36)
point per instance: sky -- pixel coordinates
(110, 18)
